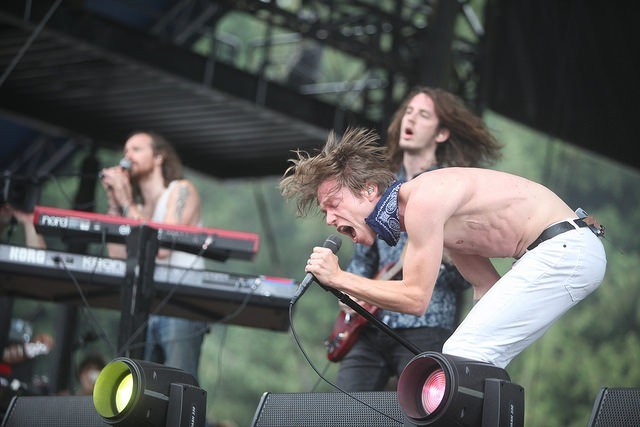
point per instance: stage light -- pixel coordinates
(436, 389)
(131, 392)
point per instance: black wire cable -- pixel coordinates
(295, 337)
(172, 291)
(218, 379)
(163, 303)
(96, 324)
(174, 287)
(319, 380)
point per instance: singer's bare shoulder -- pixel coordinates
(184, 204)
(185, 190)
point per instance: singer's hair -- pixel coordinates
(470, 142)
(171, 164)
(354, 160)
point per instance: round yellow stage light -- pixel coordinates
(124, 392)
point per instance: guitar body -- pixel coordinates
(347, 326)
(345, 332)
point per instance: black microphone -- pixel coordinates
(333, 242)
(125, 164)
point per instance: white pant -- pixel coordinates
(526, 301)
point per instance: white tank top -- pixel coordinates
(177, 258)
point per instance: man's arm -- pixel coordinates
(422, 259)
(425, 214)
(478, 271)
(409, 295)
(31, 237)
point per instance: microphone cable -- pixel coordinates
(87, 308)
(60, 261)
(218, 376)
(223, 339)
(222, 321)
(243, 304)
(172, 290)
(167, 298)
(304, 353)
(319, 380)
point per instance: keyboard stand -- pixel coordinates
(138, 290)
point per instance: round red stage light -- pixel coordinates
(433, 391)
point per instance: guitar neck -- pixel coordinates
(391, 272)
(346, 327)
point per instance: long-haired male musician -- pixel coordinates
(475, 215)
(432, 128)
(154, 189)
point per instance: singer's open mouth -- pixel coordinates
(347, 231)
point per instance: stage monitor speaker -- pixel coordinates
(52, 411)
(618, 407)
(334, 409)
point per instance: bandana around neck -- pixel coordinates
(384, 219)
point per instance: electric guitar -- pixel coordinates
(348, 325)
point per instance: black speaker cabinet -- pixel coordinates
(52, 411)
(371, 409)
(619, 407)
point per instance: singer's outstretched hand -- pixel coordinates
(323, 264)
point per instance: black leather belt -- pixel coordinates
(556, 229)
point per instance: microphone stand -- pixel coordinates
(371, 318)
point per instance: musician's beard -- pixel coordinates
(138, 174)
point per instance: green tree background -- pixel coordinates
(594, 345)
